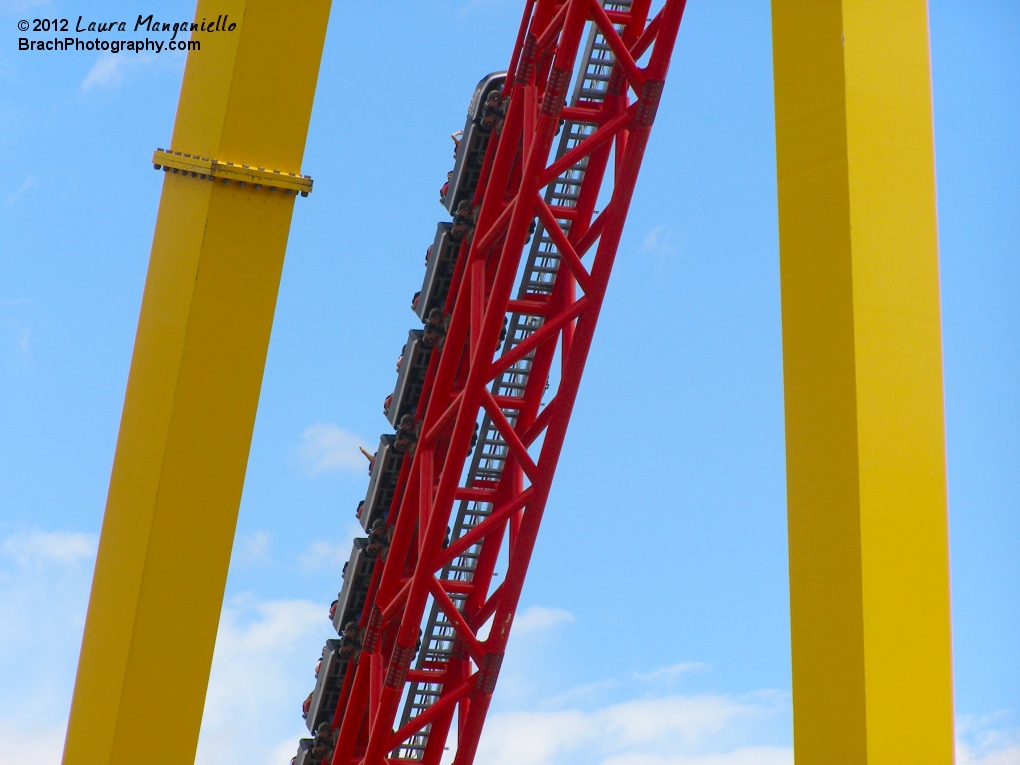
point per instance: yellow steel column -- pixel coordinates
(869, 569)
(193, 388)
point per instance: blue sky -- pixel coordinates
(654, 626)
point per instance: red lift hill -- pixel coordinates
(467, 472)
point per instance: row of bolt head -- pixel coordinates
(231, 164)
(205, 177)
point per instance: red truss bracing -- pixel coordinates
(477, 378)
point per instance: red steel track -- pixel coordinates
(459, 383)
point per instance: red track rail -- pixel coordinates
(457, 391)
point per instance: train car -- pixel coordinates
(327, 686)
(304, 752)
(474, 142)
(410, 377)
(383, 483)
(352, 595)
(438, 272)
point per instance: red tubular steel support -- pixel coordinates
(460, 386)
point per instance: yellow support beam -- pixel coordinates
(869, 560)
(193, 387)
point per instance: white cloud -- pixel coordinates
(685, 720)
(253, 548)
(112, 69)
(322, 553)
(325, 554)
(752, 755)
(27, 184)
(527, 738)
(42, 547)
(1008, 756)
(18, 747)
(262, 670)
(578, 693)
(539, 617)
(13, 326)
(44, 588)
(108, 71)
(671, 730)
(327, 448)
(660, 240)
(987, 740)
(674, 670)
(262, 667)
